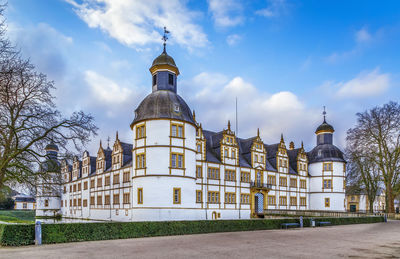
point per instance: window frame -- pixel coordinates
(176, 191)
(140, 195)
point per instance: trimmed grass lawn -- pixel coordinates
(17, 216)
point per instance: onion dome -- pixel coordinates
(164, 62)
(324, 127)
(51, 147)
(163, 104)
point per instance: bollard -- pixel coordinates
(301, 221)
(38, 233)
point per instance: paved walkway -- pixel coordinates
(380, 240)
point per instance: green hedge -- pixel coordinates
(23, 234)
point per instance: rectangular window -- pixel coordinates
(293, 201)
(116, 179)
(116, 198)
(92, 183)
(282, 200)
(271, 179)
(245, 177)
(199, 172)
(107, 200)
(70, 203)
(154, 79)
(107, 181)
(140, 131)
(213, 173)
(199, 196)
(230, 175)
(79, 202)
(85, 185)
(177, 160)
(126, 198)
(99, 182)
(177, 195)
(213, 197)
(79, 187)
(327, 166)
(170, 79)
(92, 200)
(70, 188)
(293, 182)
(303, 184)
(84, 203)
(327, 203)
(327, 184)
(245, 198)
(177, 131)
(74, 187)
(99, 200)
(46, 203)
(126, 177)
(140, 161)
(271, 200)
(303, 201)
(230, 197)
(283, 181)
(74, 202)
(140, 195)
(198, 148)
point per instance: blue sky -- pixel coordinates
(284, 60)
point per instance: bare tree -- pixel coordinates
(377, 132)
(29, 119)
(363, 174)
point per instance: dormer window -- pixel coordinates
(177, 108)
(170, 79)
(154, 79)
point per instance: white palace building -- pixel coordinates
(173, 169)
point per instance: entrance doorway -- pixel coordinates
(259, 203)
(353, 208)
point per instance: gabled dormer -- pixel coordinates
(76, 168)
(117, 153)
(258, 152)
(100, 160)
(86, 164)
(302, 161)
(200, 143)
(229, 146)
(65, 171)
(282, 160)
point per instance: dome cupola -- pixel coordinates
(324, 132)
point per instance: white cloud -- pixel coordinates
(275, 9)
(366, 84)
(213, 96)
(233, 39)
(138, 23)
(106, 90)
(362, 35)
(226, 13)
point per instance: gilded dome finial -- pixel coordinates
(324, 113)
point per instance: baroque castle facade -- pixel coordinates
(173, 169)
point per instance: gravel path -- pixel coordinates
(380, 240)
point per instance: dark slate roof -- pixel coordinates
(127, 153)
(164, 59)
(292, 154)
(25, 199)
(271, 155)
(92, 164)
(325, 152)
(325, 127)
(160, 104)
(108, 158)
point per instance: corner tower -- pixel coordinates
(327, 169)
(164, 150)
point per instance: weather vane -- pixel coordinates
(324, 113)
(165, 37)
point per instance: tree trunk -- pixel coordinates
(371, 204)
(390, 199)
